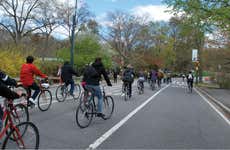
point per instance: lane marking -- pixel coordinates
(107, 134)
(223, 116)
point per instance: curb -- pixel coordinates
(220, 104)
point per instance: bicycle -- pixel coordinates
(87, 107)
(152, 85)
(189, 87)
(125, 91)
(44, 99)
(140, 87)
(62, 92)
(17, 136)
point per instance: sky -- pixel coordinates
(154, 9)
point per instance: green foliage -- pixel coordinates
(87, 48)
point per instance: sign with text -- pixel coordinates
(194, 55)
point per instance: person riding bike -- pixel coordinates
(128, 78)
(5, 91)
(153, 76)
(190, 79)
(28, 70)
(92, 77)
(141, 78)
(67, 73)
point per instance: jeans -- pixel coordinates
(98, 94)
(71, 82)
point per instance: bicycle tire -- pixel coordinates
(126, 97)
(22, 138)
(84, 111)
(17, 116)
(108, 108)
(77, 91)
(47, 99)
(61, 93)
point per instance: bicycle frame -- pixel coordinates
(10, 125)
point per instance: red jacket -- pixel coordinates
(27, 74)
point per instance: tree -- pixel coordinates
(193, 14)
(18, 17)
(65, 13)
(87, 49)
(122, 33)
(48, 19)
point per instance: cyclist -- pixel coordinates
(160, 76)
(128, 78)
(92, 77)
(5, 91)
(153, 76)
(28, 70)
(190, 79)
(141, 79)
(67, 73)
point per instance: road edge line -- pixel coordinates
(222, 115)
(108, 133)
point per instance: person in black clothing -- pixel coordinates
(128, 77)
(5, 91)
(67, 73)
(92, 77)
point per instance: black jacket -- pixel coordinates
(4, 90)
(96, 79)
(67, 72)
(6, 80)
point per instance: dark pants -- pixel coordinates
(36, 89)
(129, 85)
(71, 82)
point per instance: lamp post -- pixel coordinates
(73, 36)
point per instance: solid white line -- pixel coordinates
(223, 116)
(107, 134)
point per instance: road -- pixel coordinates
(167, 118)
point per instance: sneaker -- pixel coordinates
(32, 101)
(100, 115)
(71, 94)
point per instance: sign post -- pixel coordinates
(196, 62)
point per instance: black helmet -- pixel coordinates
(29, 59)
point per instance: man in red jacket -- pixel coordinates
(28, 70)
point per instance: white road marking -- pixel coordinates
(107, 134)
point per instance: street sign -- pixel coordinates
(194, 55)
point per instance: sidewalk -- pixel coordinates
(222, 95)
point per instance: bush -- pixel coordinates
(11, 61)
(223, 79)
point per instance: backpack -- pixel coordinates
(160, 75)
(190, 76)
(128, 76)
(90, 71)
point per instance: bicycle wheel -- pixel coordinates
(108, 108)
(126, 97)
(84, 114)
(23, 139)
(77, 91)
(44, 100)
(19, 114)
(61, 93)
